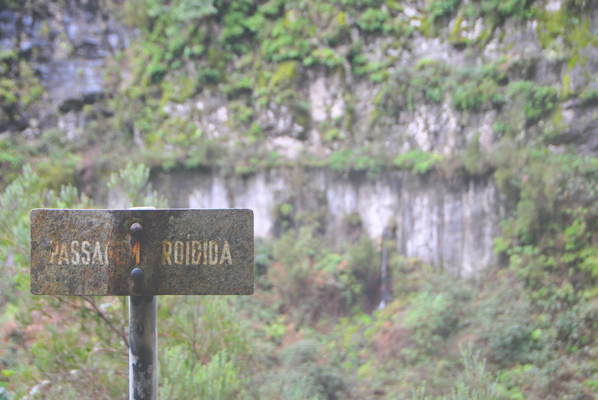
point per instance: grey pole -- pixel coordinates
(143, 338)
(143, 348)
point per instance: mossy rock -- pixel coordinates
(456, 37)
(285, 75)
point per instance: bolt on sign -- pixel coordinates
(142, 252)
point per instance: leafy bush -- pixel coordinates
(206, 326)
(347, 160)
(324, 56)
(476, 383)
(373, 19)
(419, 162)
(440, 8)
(219, 379)
(426, 82)
(365, 260)
(289, 38)
(39, 353)
(433, 317)
(304, 375)
(472, 95)
(504, 9)
(576, 326)
(188, 10)
(19, 88)
(171, 32)
(475, 161)
(507, 323)
(20, 197)
(537, 100)
(132, 183)
(235, 29)
(476, 88)
(309, 274)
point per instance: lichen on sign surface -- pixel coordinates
(185, 252)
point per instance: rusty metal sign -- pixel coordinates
(142, 252)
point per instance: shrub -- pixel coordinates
(576, 326)
(23, 194)
(289, 38)
(305, 376)
(537, 100)
(477, 88)
(440, 8)
(419, 162)
(476, 384)
(475, 161)
(52, 349)
(504, 9)
(132, 183)
(432, 317)
(365, 260)
(473, 95)
(218, 380)
(373, 19)
(427, 82)
(308, 274)
(507, 323)
(207, 325)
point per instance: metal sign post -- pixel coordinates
(143, 347)
(142, 253)
(143, 332)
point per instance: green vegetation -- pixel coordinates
(441, 8)
(310, 332)
(472, 89)
(419, 162)
(479, 88)
(259, 55)
(427, 82)
(537, 100)
(525, 329)
(132, 184)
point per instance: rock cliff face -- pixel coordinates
(67, 45)
(472, 83)
(449, 226)
(70, 46)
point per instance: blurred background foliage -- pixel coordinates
(312, 330)
(525, 329)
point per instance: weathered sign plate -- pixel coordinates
(182, 252)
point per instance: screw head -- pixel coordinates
(137, 275)
(136, 230)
